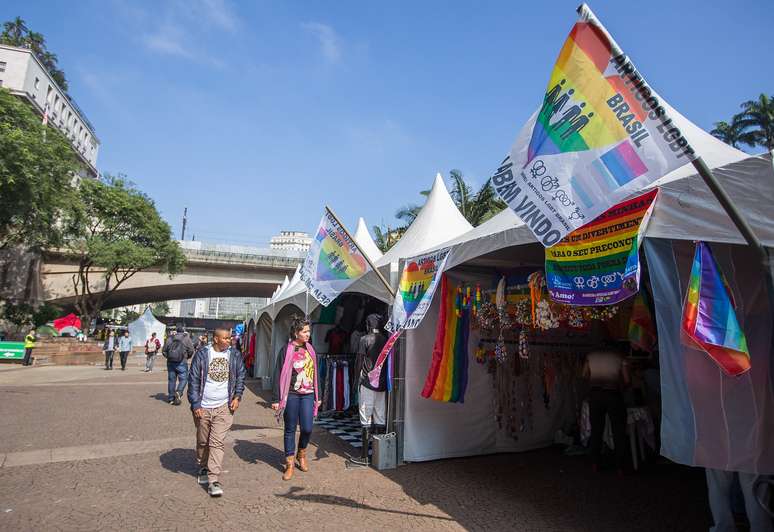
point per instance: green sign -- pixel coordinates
(11, 350)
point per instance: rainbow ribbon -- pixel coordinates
(447, 378)
(709, 318)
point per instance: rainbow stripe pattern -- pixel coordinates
(577, 91)
(447, 378)
(642, 331)
(338, 262)
(709, 316)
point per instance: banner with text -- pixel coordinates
(418, 281)
(600, 135)
(599, 264)
(333, 261)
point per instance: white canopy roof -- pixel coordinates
(364, 240)
(142, 328)
(438, 221)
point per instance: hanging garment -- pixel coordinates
(346, 386)
(339, 388)
(334, 371)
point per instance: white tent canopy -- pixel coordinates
(141, 328)
(364, 240)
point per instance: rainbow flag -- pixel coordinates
(447, 378)
(333, 262)
(642, 331)
(709, 317)
(600, 134)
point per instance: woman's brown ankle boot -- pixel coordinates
(302, 463)
(289, 467)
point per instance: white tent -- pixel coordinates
(141, 328)
(686, 210)
(366, 243)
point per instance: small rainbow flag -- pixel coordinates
(642, 331)
(709, 318)
(447, 378)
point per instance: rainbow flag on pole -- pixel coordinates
(709, 317)
(600, 135)
(642, 330)
(333, 262)
(447, 378)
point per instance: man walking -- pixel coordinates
(177, 350)
(29, 345)
(215, 385)
(124, 348)
(109, 347)
(152, 346)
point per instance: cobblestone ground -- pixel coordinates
(87, 449)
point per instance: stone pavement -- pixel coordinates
(86, 449)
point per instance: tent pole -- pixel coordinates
(365, 256)
(306, 305)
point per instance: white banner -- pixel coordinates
(418, 281)
(600, 135)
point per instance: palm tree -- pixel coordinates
(408, 213)
(757, 118)
(476, 208)
(14, 32)
(733, 134)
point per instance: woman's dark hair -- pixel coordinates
(296, 325)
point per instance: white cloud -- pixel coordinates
(167, 40)
(330, 43)
(217, 12)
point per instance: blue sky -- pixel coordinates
(256, 114)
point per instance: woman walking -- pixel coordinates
(295, 394)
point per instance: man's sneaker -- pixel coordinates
(171, 401)
(202, 476)
(177, 399)
(215, 490)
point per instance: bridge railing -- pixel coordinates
(219, 253)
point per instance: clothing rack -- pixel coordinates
(531, 343)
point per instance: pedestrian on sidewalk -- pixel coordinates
(124, 348)
(29, 345)
(109, 348)
(152, 346)
(215, 385)
(177, 350)
(295, 394)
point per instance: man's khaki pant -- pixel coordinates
(211, 431)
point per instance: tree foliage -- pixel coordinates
(160, 309)
(25, 314)
(16, 33)
(37, 167)
(754, 126)
(121, 235)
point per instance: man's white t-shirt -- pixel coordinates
(215, 392)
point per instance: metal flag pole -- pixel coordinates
(306, 305)
(365, 256)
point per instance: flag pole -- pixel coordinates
(698, 163)
(365, 256)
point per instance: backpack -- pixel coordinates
(176, 350)
(152, 346)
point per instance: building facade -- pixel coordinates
(295, 240)
(24, 76)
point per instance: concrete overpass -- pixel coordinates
(211, 271)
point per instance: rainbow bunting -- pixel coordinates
(642, 331)
(709, 318)
(447, 378)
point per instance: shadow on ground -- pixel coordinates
(179, 461)
(253, 452)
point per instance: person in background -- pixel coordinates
(215, 386)
(608, 375)
(152, 346)
(295, 394)
(124, 348)
(177, 350)
(29, 345)
(109, 348)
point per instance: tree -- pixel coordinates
(22, 315)
(160, 309)
(122, 234)
(127, 316)
(37, 166)
(386, 237)
(16, 33)
(757, 119)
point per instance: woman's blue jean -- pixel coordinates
(298, 410)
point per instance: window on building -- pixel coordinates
(37, 83)
(2, 66)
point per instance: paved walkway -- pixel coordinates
(86, 449)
